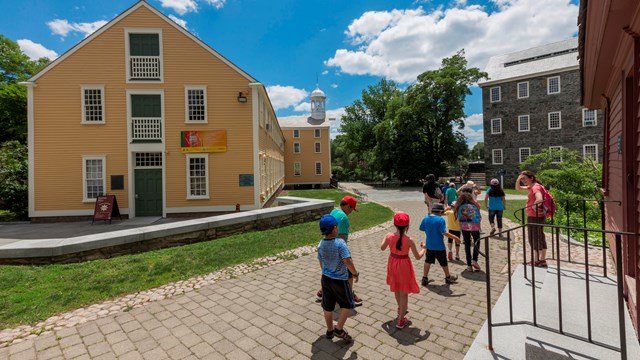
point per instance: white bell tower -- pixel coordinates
(318, 100)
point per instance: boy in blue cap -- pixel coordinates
(335, 261)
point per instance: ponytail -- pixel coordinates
(401, 229)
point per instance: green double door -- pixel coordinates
(148, 192)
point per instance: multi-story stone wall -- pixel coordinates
(572, 134)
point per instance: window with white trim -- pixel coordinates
(297, 168)
(523, 90)
(149, 160)
(496, 126)
(296, 147)
(93, 177)
(494, 94)
(553, 85)
(555, 120)
(144, 55)
(197, 176)
(523, 123)
(296, 133)
(316, 133)
(496, 155)
(590, 151)
(317, 146)
(556, 154)
(524, 154)
(93, 105)
(318, 168)
(589, 117)
(195, 98)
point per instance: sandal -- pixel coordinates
(542, 264)
(342, 334)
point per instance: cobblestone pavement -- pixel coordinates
(271, 313)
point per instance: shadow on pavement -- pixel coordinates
(444, 290)
(324, 348)
(407, 336)
(475, 276)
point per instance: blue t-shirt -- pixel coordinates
(433, 226)
(343, 222)
(495, 202)
(331, 252)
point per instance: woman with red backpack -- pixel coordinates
(535, 215)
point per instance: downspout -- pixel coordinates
(30, 144)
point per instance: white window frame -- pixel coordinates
(186, 104)
(127, 50)
(493, 156)
(316, 133)
(499, 122)
(584, 151)
(206, 170)
(297, 165)
(296, 133)
(595, 117)
(317, 147)
(316, 168)
(491, 94)
(520, 153)
(103, 159)
(83, 105)
(549, 85)
(298, 146)
(559, 120)
(520, 122)
(556, 148)
(526, 83)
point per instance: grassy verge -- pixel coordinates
(30, 294)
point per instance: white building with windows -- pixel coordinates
(531, 102)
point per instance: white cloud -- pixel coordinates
(302, 107)
(180, 6)
(218, 4)
(325, 72)
(35, 51)
(461, 2)
(63, 27)
(178, 21)
(334, 85)
(401, 44)
(283, 97)
(473, 129)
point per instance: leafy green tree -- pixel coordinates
(14, 178)
(477, 152)
(431, 117)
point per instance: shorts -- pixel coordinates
(440, 255)
(336, 291)
(453, 232)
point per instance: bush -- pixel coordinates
(14, 179)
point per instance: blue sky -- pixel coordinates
(347, 45)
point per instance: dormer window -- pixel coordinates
(144, 55)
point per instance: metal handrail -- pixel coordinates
(556, 229)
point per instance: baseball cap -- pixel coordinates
(437, 207)
(495, 182)
(351, 201)
(401, 218)
(327, 222)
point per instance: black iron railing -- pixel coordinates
(556, 231)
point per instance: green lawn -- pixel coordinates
(30, 294)
(512, 206)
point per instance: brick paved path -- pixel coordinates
(271, 313)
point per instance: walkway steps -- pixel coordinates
(529, 342)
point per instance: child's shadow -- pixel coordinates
(338, 349)
(444, 290)
(406, 336)
(475, 275)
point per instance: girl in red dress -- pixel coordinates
(400, 275)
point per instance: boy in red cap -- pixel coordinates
(347, 206)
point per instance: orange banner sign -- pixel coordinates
(203, 141)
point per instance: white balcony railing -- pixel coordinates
(145, 68)
(147, 129)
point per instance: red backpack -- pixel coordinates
(548, 204)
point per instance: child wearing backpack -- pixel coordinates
(496, 203)
(467, 211)
(401, 277)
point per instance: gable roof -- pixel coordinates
(554, 57)
(302, 121)
(107, 26)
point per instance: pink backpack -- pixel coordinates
(548, 204)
